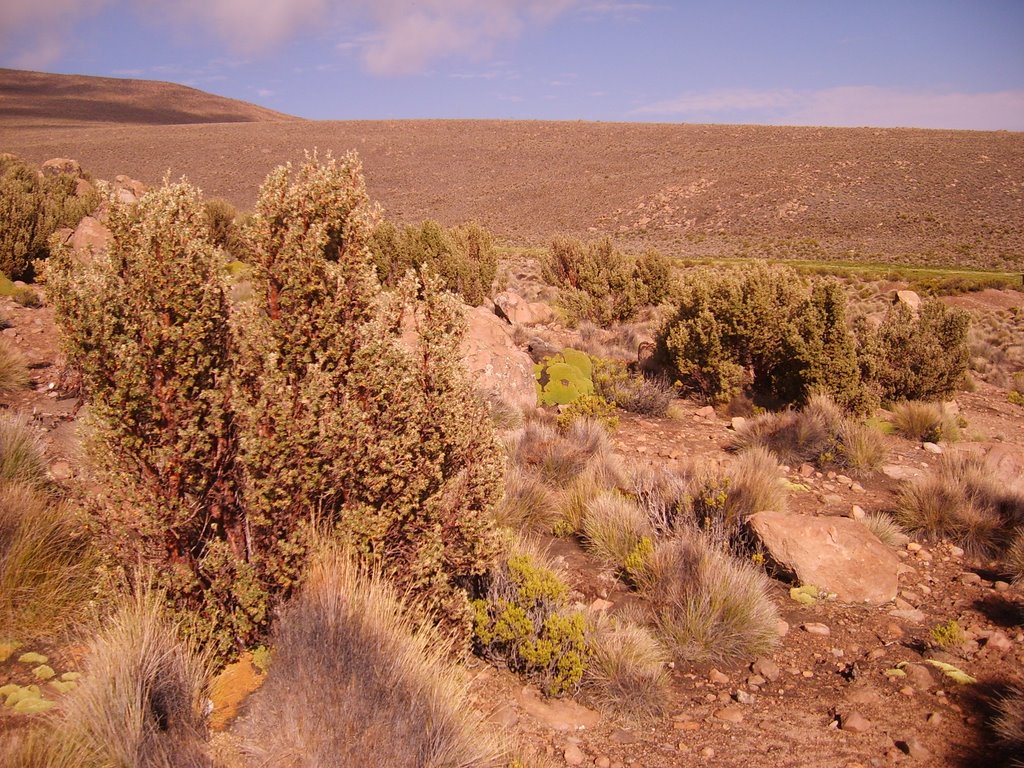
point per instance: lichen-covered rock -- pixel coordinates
(494, 363)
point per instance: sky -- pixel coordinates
(914, 63)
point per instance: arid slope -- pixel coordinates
(912, 196)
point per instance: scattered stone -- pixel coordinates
(742, 697)
(816, 628)
(909, 299)
(899, 472)
(707, 412)
(717, 677)
(766, 668)
(574, 755)
(707, 753)
(907, 690)
(934, 718)
(932, 448)
(956, 551)
(919, 676)
(857, 513)
(970, 578)
(603, 761)
(805, 470)
(755, 681)
(729, 714)
(622, 736)
(1000, 586)
(913, 546)
(557, 714)
(999, 641)
(600, 605)
(504, 716)
(914, 748)
(737, 423)
(855, 722)
(836, 554)
(912, 616)
(863, 694)
(782, 628)
(61, 471)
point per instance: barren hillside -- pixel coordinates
(914, 196)
(45, 100)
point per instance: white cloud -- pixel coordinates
(33, 32)
(850, 106)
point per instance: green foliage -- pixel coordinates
(592, 407)
(220, 218)
(564, 377)
(523, 619)
(762, 329)
(600, 284)
(463, 256)
(921, 356)
(27, 297)
(341, 416)
(33, 207)
(948, 634)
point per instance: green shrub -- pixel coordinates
(564, 377)
(921, 356)
(220, 218)
(355, 683)
(27, 297)
(948, 634)
(33, 207)
(593, 407)
(524, 621)
(762, 329)
(463, 256)
(600, 284)
(341, 414)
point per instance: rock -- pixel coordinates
(970, 578)
(816, 628)
(932, 448)
(513, 308)
(717, 677)
(89, 238)
(707, 753)
(782, 627)
(999, 641)
(737, 423)
(84, 187)
(61, 166)
(60, 471)
(127, 189)
(729, 714)
(603, 761)
(494, 363)
(911, 616)
(835, 554)
(622, 736)
(919, 676)
(707, 412)
(505, 716)
(742, 697)
(574, 755)
(863, 694)
(914, 748)
(899, 472)
(1000, 586)
(854, 722)
(908, 298)
(557, 714)
(857, 513)
(540, 349)
(766, 668)
(600, 605)
(805, 470)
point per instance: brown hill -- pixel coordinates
(913, 196)
(41, 99)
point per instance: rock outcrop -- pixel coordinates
(495, 364)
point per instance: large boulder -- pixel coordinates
(127, 189)
(61, 166)
(512, 307)
(495, 364)
(90, 237)
(908, 298)
(835, 554)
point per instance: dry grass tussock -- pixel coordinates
(13, 372)
(819, 433)
(21, 455)
(628, 670)
(1009, 725)
(1014, 559)
(964, 502)
(663, 496)
(139, 703)
(351, 683)
(613, 527)
(706, 605)
(46, 563)
(526, 503)
(928, 422)
(887, 530)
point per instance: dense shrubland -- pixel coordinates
(33, 207)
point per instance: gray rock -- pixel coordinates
(932, 448)
(835, 554)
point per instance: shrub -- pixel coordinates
(524, 621)
(707, 606)
(13, 371)
(590, 407)
(948, 634)
(558, 458)
(862, 448)
(220, 219)
(342, 412)
(1009, 724)
(463, 256)
(140, 700)
(648, 396)
(762, 329)
(353, 683)
(21, 454)
(46, 563)
(961, 501)
(564, 377)
(600, 284)
(146, 325)
(928, 422)
(663, 496)
(33, 207)
(917, 357)
(628, 671)
(613, 528)
(27, 297)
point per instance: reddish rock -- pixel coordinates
(835, 554)
(494, 363)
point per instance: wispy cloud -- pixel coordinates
(849, 106)
(33, 32)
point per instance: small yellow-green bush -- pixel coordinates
(524, 620)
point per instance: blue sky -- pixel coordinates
(938, 64)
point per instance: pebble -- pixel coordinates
(707, 752)
(956, 551)
(1001, 586)
(782, 628)
(915, 748)
(913, 546)
(919, 676)
(932, 448)
(907, 690)
(603, 762)
(743, 697)
(600, 605)
(855, 722)
(857, 512)
(766, 668)
(574, 755)
(970, 578)
(718, 678)
(816, 628)
(934, 718)
(999, 641)
(729, 714)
